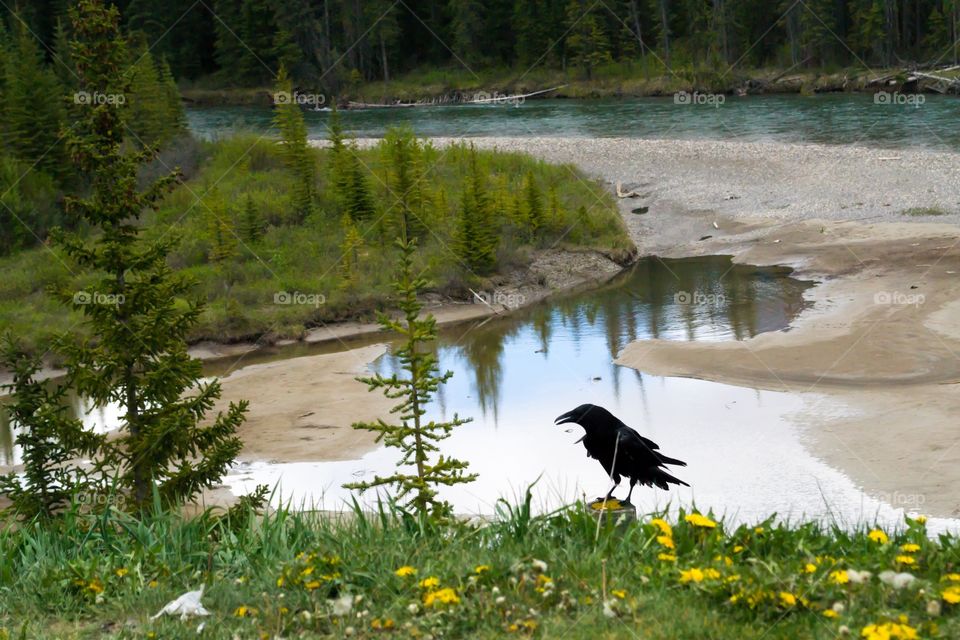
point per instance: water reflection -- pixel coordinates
(576, 335)
(582, 333)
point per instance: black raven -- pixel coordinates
(636, 457)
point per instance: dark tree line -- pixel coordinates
(333, 43)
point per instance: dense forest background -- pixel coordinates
(331, 44)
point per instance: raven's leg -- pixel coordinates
(630, 493)
(616, 483)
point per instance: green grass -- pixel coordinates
(303, 256)
(550, 576)
(924, 211)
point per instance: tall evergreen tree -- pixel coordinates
(140, 311)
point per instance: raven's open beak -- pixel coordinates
(565, 418)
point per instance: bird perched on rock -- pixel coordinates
(621, 450)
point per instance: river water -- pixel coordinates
(834, 118)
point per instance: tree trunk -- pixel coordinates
(665, 28)
(635, 14)
(383, 57)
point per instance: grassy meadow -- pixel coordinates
(389, 574)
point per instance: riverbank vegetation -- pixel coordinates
(265, 266)
(390, 574)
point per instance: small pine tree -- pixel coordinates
(348, 174)
(533, 206)
(416, 439)
(140, 357)
(349, 252)
(50, 440)
(298, 156)
(477, 238)
(555, 217)
(33, 106)
(148, 116)
(223, 244)
(405, 178)
(176, 115)
(251, 223)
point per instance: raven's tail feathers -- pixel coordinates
(665, 460)
(663, 480)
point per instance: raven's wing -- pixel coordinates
(640, 450)
(649, 444)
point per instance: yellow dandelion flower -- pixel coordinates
(691, 575)
(952, 577)
(758, 531)
(699, 520)
(830, 613)
(910, 548)
(889, 631)
(839, 577)
(666, 541)
(429, 583)
(242, 611)
(619, 593)
(711, 574)
(405, 571)
(386, 623)
(810, 568)
(122, 571)
(662, 524)
(666, 557)
(313, 584)
(513, 628)
(306, 572)
(153, 584)
(441, 596)
(480, 568)
(878, 536)
(95, 586)
(906, 560)
(951, 595)
(787, 599)
(738, 548)
(280, 581)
